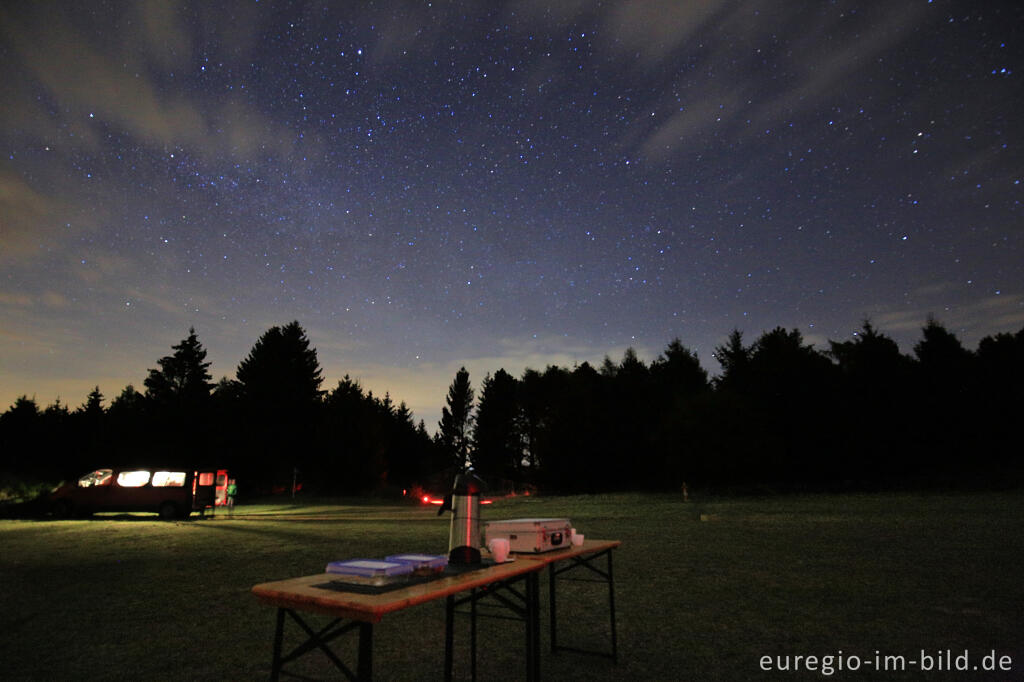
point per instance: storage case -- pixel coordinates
(372, 572)
(531, 536)
(370, 568)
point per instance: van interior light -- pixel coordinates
(132, 479)
(168, 479)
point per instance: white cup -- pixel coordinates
(499, 549)
(577, 538)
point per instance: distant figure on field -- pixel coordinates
(232, 491)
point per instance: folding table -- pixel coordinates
(513, 585)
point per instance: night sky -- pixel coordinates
(425, 185)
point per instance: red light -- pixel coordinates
(486, 501)
(426, 499)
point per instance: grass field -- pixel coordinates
(704, 589)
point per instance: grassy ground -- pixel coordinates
(704, 589)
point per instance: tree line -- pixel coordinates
(780, 415)
(271, 425)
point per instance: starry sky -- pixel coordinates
(427, 185)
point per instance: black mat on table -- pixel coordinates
(339, 585)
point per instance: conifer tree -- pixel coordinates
(183, 380)
(457, 420)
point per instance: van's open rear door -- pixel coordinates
(221, 495)
(203, 490)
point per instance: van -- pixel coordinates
(171, 493)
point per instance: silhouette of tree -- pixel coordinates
(90, 434)
(408, 457)
(780, 415)
(227, 390)
(457, 421)
(24, 409)
(348, 467)
(876, 390)
(93, 406)
(678, 369)
(127, 423)
(20, 428)
(372, 444)
(551, 419)
(57, 446)
(278, 384)
(183, 380)
(774, 410)
(945, 409)
(497, 433)
(680, 385)
(177, 396)
(129, 401)
(871, 359)
(628, 413)
(1001, 367)
(282, 369)
(1000, 403)
(608, 368)
(940, 349)
(734, 358)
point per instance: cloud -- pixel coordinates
(89, 83)
(165, 37)
(771, 54)
(971, 319)
(654, 30)
(991, 315)
(690, 122)
(10, 299)
(822, 72)
(26, 217)
(114, 86)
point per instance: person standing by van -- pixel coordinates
(231, 491)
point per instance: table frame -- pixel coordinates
(523, 604)
(606, 576)
(320, 640)
(515, 586)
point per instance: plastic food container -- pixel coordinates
(423, 564)
(370, 571)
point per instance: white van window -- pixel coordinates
(98, 477)
(168, 479)
(132, 479)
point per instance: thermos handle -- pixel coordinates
(446, 505)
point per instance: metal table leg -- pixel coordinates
(320, 640)
(606, 575)
(275, 666)
(364, 666)
(524, 604)
(533, 626)
(449, 636)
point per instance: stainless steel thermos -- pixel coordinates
(464, 538)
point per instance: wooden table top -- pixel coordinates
(301, 593)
